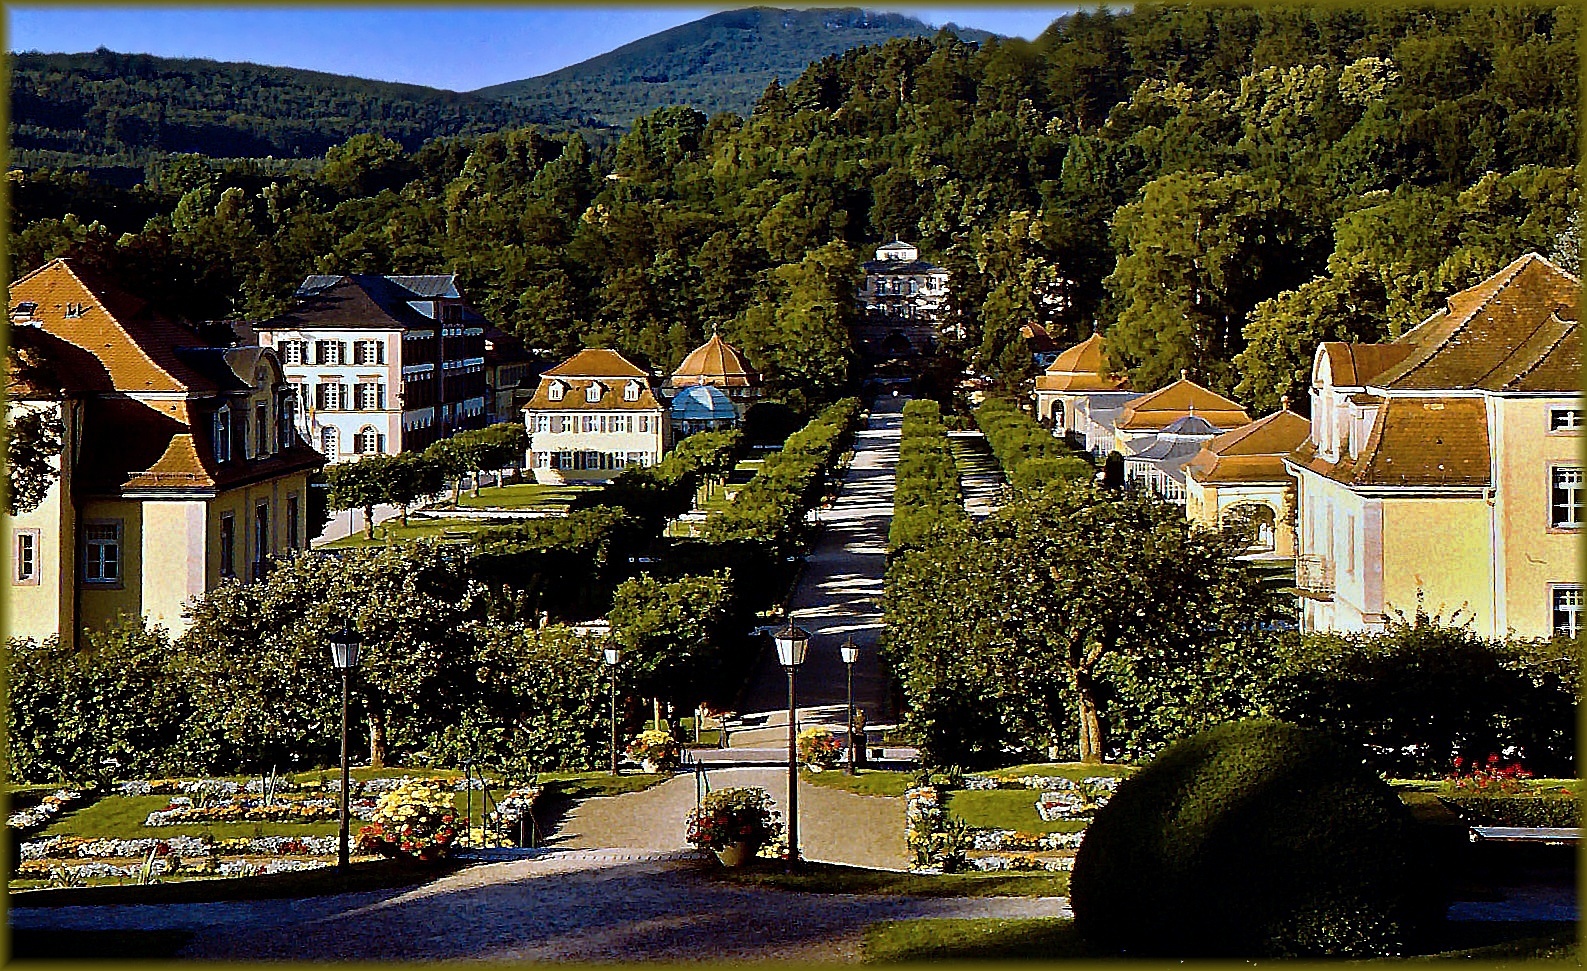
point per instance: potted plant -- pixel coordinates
(655, 750)
(819, 748)
(735, 823)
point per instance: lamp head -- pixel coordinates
(792, 643)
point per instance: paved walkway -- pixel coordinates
(839, 595)
(834, 826)
(980, 478)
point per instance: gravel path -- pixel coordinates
(583, 906)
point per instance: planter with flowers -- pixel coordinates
(735, 823)
(819, 748)
(417, 820)
(655, 750)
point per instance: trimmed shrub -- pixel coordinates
(1031, 457)
(1252, 839)
(927, 496)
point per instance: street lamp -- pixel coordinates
(613, 655)
(344, 655)
(850, 653)
(792, 643)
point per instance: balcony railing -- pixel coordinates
(1314, 577)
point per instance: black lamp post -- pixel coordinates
(344, 655)
(850, 653)
(613, 655)
(792, 643)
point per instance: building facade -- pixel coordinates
(1242, 473)
(1444, 469)
(1141, 419)
(181, 466)
(902, 303)
(381, 364)
(1078, 376)
(592, 416)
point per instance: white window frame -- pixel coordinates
(25, 545)
(1558, 592)
(631, 392)
(222, 432)
(1561, 475)
(593, 393)
(1564, 419)
(330, 442)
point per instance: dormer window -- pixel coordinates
(76, 309)
(223, 435)
(631, 392)
(593, 393)
(556, 391)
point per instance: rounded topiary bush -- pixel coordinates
(1252, 839)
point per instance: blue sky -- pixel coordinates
(460, 48)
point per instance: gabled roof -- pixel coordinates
(136, 346)
(1079, 368)
(597, 362)
(42, 366)
(1162, 407)
(1515, 331)
(718, 363)
(1421, 441)
(1353, 365)
(1251, 454)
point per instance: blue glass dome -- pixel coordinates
(702, 402)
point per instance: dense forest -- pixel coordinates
(718, 63)
(1215, 188)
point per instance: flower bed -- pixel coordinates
(415, 820)
(76, 847)
(511, 810)
(223, 788)
(256, 811)
(942, 843)
(48, 807)
(818, 747)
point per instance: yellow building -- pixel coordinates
(592, 416)
(180, 466)
(1078, 375)
(1447, 464)
(1243, 471)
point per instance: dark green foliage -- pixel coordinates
(1252, 839)
(1031, 457)
(563, 565)
(682, 639)
(718, 63)
(771, 508)
(927, 497)
(1420, 695)
(1517, 810)
(70, 712)
(666, 490)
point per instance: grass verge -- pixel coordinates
(363, 875)
(867, 782)
(521, 496)
(1006, 809)
(391, 532)
(948, 939)
(838, 878)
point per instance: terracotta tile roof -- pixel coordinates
(1080, 368)
(1422, 441)
(1515, 331)
(1353, 365)
(716, 362)
(137, 346)
(1251, 454)
(46, 367)
(597, 362)
(1037, 340)
(1163, 407)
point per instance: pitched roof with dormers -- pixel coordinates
(1421, 441)
(718, 363)
(599, 366)
(1161, 408)
(137, 346)
(1353, 365)
(1252, 454)
(1080, 368)
(1513, 332)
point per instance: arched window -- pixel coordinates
(328, 443)
(368, 442)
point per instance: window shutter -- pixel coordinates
(380, 443)
(380, 352)
(341, 352)
(343, 396)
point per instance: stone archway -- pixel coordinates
(1259, 519)
(897, 345)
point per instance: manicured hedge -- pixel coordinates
(772, 505)
(926, 497)
(1031, 457)
(1251, 839)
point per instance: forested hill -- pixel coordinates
(105, 109)
(719, 63)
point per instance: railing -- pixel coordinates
(1314, 577)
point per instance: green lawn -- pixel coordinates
(948, 939)
(837, 878)
(1068, 770)
(1007, 809)
(868, 782)
(592, 785)
(522, 495)
(390, 532)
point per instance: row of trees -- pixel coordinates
(443, 675)
(404, 478)
(1029, 454)
(926, 493)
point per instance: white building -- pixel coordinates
(902, 303)
(592, 416)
